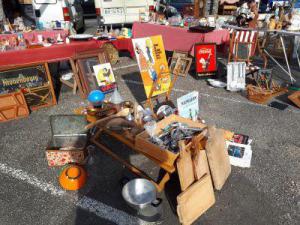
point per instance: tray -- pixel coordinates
(13, 106)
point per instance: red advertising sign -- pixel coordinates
(206, 58)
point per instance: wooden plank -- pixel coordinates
(185, 166)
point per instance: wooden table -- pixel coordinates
(131, 144)
(177, 38)
(58, 52)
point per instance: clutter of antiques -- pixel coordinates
(169, 133)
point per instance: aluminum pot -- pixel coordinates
(140, 194)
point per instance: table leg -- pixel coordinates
(286, 60)
(297, 54)
(132, 168)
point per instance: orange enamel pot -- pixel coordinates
(72, 178)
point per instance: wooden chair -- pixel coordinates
(243, 45)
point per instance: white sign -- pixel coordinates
(188, 105)
(239, 154)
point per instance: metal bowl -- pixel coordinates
(139, 193)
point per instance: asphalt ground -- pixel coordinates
(266, 193)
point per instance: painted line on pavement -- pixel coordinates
(30, 179)
(213, 96)
(98, 208)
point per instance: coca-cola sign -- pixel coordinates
(206, 60)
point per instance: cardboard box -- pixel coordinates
(163, 155)
(13, 106)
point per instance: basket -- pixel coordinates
(258, 95)
(262, 96)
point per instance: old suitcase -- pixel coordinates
(69, 139)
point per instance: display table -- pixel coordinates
(57, 52)
(177, 38)
(33, 35)
(167, 170)
(267, 39)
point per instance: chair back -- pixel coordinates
(242, 45)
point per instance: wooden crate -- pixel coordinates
(261, 96)
(295, 98)
(13, 106)
(163, 155)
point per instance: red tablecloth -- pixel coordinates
(32, 36)
(57, 52)
(176, 38)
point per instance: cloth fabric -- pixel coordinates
(57, 52)
(176, 38)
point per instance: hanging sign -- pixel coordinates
(153, 65)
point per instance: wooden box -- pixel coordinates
(163, 155)
(13, 106)
(295, 98)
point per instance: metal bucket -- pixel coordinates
(140, 194)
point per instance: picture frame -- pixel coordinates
(83, 63)
(34, 80)
(173, 60)
(206, 59)
(105, 77)
(264, 79)
(182, 66)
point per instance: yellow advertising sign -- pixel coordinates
(153, 64)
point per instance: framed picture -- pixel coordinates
(153, 65)
(206, 58)
(182, 66)
(34, 80)
(105, 77)
(264, 79)
(173, 60)
(85, 61)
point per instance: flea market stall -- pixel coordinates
(169, 132)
